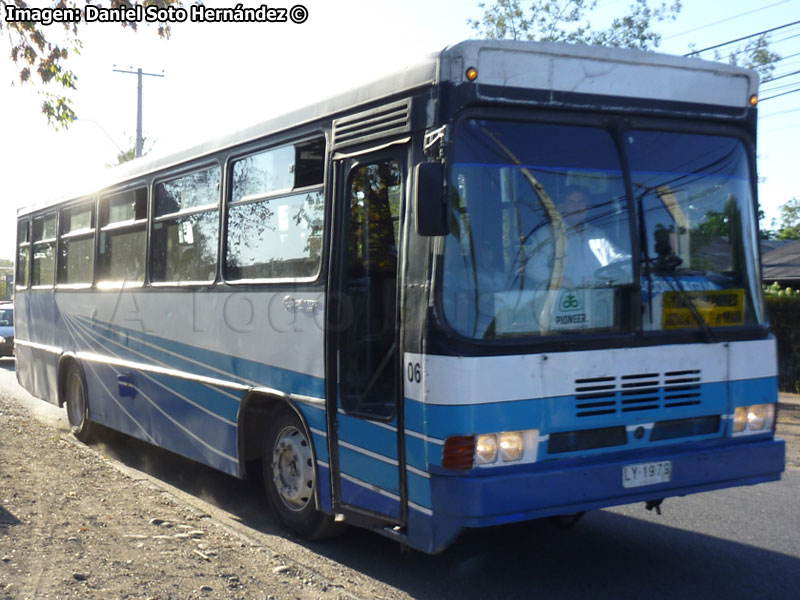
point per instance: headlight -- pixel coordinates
(739, 419)
(486, 449)
(512, 445)
(2, 340)
(490, 449)
(756, 418)
(760, 416)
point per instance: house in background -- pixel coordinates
(780, 261)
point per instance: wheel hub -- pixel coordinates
(293, 468)
(75, 401)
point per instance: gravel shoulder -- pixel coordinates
(76, 524)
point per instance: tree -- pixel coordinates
(124, 156)
(41, 52)
(790, 220)
(568, 21)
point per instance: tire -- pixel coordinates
(76, 399)
(290, 478)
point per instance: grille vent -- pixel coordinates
(384, 121)
(637, 392)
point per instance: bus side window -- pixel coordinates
(76, 245)
(123, 236)
(186, 227)
(44, 250)
(23, 253)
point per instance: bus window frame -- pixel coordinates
(322, 187)
(131, 186)
(49, 212)
(80, 233)
(153, 219)
(617, 125)
(28, 221)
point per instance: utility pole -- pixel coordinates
(139, 138)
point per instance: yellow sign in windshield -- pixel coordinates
(718, 308)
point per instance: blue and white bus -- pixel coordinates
(512, 281)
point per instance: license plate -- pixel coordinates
(646, 473)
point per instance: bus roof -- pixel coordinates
(501, 64)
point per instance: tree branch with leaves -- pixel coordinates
(41, 53)
(568, 21)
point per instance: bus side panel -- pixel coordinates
(171, 367)
(317, 424)
(37, 364)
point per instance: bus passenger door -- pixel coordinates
(363, 337)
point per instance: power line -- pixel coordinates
(771, 79)
(769, 90)
(772, 42)
(743, 38)
(782, 112)
(788, 56)
(778, 95)
(724, 20)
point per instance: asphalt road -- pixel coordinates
(737, 543)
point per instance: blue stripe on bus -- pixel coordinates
(183, 429)
(557, 414)
(368, 469)
(358, 494)
(320, 447)
(419, 489)
(315, 416)
(753, 391)
(417, 454)
(237, 369)
(324, 486)
(368, 435)
(204, 395)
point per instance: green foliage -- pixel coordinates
(755, 54)
(124, 156)
(40, 51)
(569, 21)
(783, 308)
(790, 220)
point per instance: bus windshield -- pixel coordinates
(541, 230)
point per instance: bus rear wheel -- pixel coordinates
(77, 401)
(290, 479)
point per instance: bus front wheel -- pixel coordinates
(77, 401)
(290, 480)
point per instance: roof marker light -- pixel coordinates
(472, 74)
(753, 99)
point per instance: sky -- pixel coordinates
(222, 77)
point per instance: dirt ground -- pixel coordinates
(78, 527)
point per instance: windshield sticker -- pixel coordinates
(722, 308)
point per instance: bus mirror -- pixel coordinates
(432, 208)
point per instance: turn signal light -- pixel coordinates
(458, 452)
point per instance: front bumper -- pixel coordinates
(493, 497)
